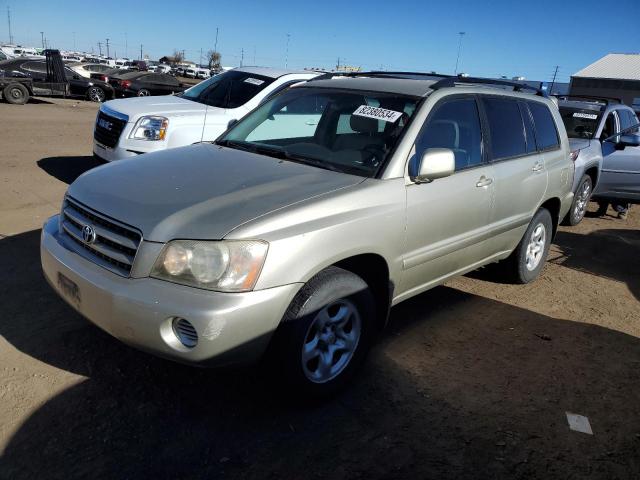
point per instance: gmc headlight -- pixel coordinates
(150, 128)
(225, 266)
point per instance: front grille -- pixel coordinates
(108, 129)
(115, 245)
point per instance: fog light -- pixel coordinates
(185, 332)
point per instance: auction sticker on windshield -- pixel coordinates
(377, 113)
(253, 81)
(590, 116)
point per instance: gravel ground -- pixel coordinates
(471, 380)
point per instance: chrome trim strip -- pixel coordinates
(108, 111)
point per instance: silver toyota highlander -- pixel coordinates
(305, 222)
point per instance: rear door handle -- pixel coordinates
(537, 167)
(484, 181)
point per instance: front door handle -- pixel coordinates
(537, 167)
(484, 181)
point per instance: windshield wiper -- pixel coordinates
(237, 145)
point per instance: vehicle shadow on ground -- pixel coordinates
(609, 253)
(67, 169)
(459, 386)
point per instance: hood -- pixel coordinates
(166, 105)
(578, 143)
(200, 192)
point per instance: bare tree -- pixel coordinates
(177, 56)
(214, 60)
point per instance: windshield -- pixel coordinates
(343, 130)
(580, 122)
(231, 89)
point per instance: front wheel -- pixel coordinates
(527, 260)
(96, 94)
(326, 333)
(16, 94)
(580, 201)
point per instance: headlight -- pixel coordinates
(226, 266)
(150, 128)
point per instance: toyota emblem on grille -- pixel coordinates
(88, 234)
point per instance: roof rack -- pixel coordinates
(381, 73)
(605, 100)
(451, 81)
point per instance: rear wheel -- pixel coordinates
(528, 259)
(326, 333)
(96, 94)
(143, 92)
(580, 201)
(16, 94)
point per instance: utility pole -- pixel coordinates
(100, 48)
(126, 45)
(286, 57)
(215, 45)
(108, 48)
(554, 79)
(140, 51)
(9, 20)
(338, 65)
(74, 41)
(459, 49)
(241, 56)
(200, 58)
(42, 38)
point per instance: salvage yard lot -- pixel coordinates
(470, 380)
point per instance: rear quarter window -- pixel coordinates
(546, 131)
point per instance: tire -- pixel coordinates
(143, 92)
(335, 308)
(528, 259)
(16, 94)
(603, 206)
(96, 94)
(580, 202)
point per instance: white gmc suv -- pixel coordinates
(128, 127)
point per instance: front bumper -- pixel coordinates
(233, 328)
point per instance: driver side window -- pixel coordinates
(609, 127)
(454, 125)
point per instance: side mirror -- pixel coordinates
(627, 141)
(232, 122)
(435, 163)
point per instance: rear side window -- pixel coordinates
(628, 119)
(506, 128)
(529, 132)
(546, 131)
(454, 125)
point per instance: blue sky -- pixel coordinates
(502, 37)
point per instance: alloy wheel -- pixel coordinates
(535, 248)
(331, 341)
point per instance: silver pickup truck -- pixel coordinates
(301, 239)
(605, 147)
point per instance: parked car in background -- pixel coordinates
(272, 236)
(202, 73)
(162, 69)
(145, 84)
(201, 113)
(607, 166)
(107, 74)
(123, 63)
(86, 69)
(76, 85)
(190, 73)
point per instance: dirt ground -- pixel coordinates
(472, 380)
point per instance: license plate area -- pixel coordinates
(69, 290)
